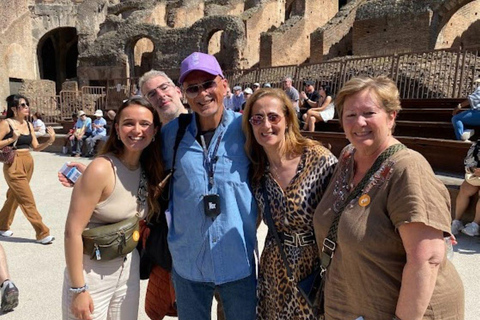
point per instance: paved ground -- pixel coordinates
(38, 270)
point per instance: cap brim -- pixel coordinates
(207, 70)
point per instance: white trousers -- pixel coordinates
(113, 285)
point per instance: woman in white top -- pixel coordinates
(324, 111)
(108, 192)
(38, 125)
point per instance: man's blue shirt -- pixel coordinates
(204, 249)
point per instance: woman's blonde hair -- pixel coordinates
(384, 89)
(294, 141)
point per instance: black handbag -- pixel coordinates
(156, 251)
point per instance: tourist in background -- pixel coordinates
(324, 111)
(469, 117)
(238, 98)
(228, 99)
(109, 191)
(247, 93)
(469, 188)
(291, 92)
(295, 172)
(83, 130)
(98, 132)
(390, 256)
(17, 131)
(38, 125)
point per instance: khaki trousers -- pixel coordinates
(113, 285)
(18, 176)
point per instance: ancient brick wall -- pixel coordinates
(295, 33)
(392, 34)
(335, 38)
(460, 30)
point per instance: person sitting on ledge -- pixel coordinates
(469, 117)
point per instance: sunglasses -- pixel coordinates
(24, 105)
(193, 90)
(258, 119)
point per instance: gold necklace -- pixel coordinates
(274, 171)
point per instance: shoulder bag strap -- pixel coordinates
(330, 242)
(271, 227)
(9, 121)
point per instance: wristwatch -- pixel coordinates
(79, 289)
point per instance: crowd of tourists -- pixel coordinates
(176, 195)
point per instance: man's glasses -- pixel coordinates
(162, 87)
(193, 90)
(24, 105)
(259, 119)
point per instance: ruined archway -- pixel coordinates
(459, 31)
(57, 53)
(450, 21)
(141, 57)
(215, 45)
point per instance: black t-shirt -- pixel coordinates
(314, 96)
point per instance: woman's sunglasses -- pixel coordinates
(258, 119)
(24, 105)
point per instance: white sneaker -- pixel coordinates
(457, 226)
(6, 233)
(471, 229)
(46, 240)
(467, 134)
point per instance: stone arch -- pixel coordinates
(232, 38)
(442, 15)
(140, 54)
(57, 54)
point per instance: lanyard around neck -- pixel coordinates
(209, 160)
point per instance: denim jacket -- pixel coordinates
(205, 249)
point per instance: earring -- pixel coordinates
(153, 139)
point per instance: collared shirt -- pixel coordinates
(474, 99)
(228, 102)
(102, 131)
(204, 249)
(238, 101)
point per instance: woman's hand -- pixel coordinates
(82, 306)
(63, 180)
(51, 133)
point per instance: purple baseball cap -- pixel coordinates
(202, 62)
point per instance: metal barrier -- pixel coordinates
(444, 73)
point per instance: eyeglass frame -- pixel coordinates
(209, 89)
(150, 94)
(24, 105)
(264, 119)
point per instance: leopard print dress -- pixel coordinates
(292, 212)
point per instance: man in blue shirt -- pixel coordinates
(99, 132)
(212, 233)
(83, 130)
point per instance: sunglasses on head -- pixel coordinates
(259, 119)
(193, 90)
